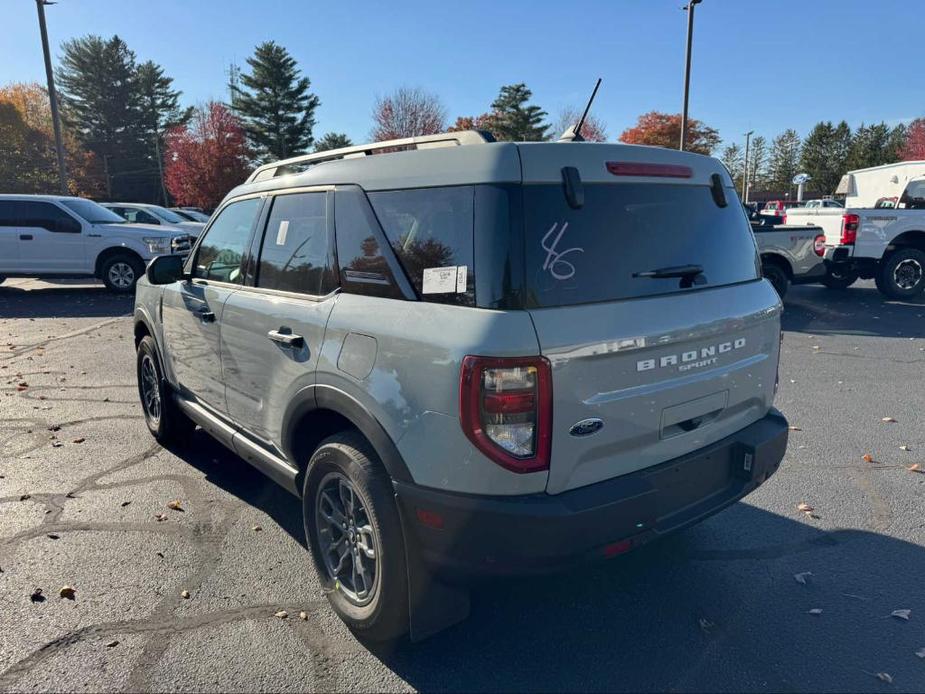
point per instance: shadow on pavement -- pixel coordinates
(713, 608)
(62, 302)
(858, 310)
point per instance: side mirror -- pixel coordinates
(165, 269)
(67, 225)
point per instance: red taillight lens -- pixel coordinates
(632, 168)
(783, 219)
(849, 228)
(819, 245)
(505, 409)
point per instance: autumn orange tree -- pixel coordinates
(914, 149)
(407, 112)
(664, 130)
(207, 158)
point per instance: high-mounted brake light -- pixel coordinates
(819, 245)
(632, 168)
(505, 409)
(849, 229)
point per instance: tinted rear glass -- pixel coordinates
(590, 254)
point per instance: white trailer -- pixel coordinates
(864, 187)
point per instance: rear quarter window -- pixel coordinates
(591, 254)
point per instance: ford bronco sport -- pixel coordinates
(473, 358)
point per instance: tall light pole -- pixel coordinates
(52, 96)
(687, 68)
(748, 139)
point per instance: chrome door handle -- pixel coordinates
(287, 339)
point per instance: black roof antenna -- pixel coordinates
(573, 134)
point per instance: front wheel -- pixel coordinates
(162, 414)
(902, 274)
(839, 278)
(354, 532)
(121, 271)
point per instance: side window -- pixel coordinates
(295, 255)
(363, 267)
(8, 216)
(913, 197)
(222, 249)
(143, 217)
(431, 232)
(43, 215)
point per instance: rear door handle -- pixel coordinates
(25, 237)
(205, 315)
(286, 338)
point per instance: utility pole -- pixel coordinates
(52, 96)
(687, 69)
(748, 139)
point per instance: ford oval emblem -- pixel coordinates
(586, 427)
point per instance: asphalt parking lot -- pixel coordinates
(714, 608)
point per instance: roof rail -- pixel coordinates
(462, 137)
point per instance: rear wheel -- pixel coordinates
(353, 529)
(162, 414)
(121, 271)
(777, 276)
(902, 274)
(839, 278)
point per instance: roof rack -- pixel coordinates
(462, 137)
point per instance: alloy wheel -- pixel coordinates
(907, 274)
(150, 390)
(122, 275)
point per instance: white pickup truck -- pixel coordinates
(871, 242)
(61, 236)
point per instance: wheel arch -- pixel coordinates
(319, 411)
(913, 239)
(778, 260)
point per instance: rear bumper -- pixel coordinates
(838, 254)
(539, 532)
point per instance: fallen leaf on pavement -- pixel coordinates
(801, 577)
(79, 440)
(804, 507)
(184, 594)
(904, 448)
(901, 614)
(883, 677)
(889, 420)
(24, 497)
(125, 503)
(112, 644)
(160, 517)
(256, 528)
(175, 505)
(57, 444)
(795, 429)
(282, 614)
(868, 458)
(37, 595)
(916, 468)
(815, 610)
(303, 616)
(67, 592)
(53, 536)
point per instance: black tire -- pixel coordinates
(2, 279)
(121, 271)
(839, 278)
(381, 614)
(778, 277)
(168, 424)
(901, 274)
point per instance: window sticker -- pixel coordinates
(282, 232)
(445, 280)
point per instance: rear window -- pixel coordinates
(591, 254)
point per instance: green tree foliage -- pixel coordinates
(275, 103)
(27, 156)
(784, 161)
(874, 145)
(332, 141)
(514, 119)
(733, 157)
(825, 155)
(758, 163)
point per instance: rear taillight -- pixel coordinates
(505, 408)
(849, 229)
(819, 245)
(634, 168)
(783, 219)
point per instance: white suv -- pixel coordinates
(61, 236)
(141, 213)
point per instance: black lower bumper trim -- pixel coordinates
(538, 532)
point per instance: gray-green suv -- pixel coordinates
(469, 357)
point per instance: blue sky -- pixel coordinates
(761, 65)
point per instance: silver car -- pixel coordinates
(471, 358)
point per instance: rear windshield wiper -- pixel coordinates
(682, 271)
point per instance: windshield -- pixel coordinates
(610, 248)
(92, 212)
(165, 214)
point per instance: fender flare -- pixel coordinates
(325, 397)
(141, 316)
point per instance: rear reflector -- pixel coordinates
(819, 245)
(431, 519)
(632, 168)
(615, 548)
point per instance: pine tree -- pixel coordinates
(784, 160)
(275, 103)
(734, 160)
(758, 163)
(159, 112)
(332, 141)
(101, 104)
(513, 119)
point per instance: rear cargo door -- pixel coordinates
(645, 368)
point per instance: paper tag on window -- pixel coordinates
(444, 280)
(281, 233)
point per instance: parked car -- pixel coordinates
(824, 202)
(778, 208)
(58, 236)
(789, 254)
(153, 214)
(191, 215)
(877, 242)
(473, 358)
